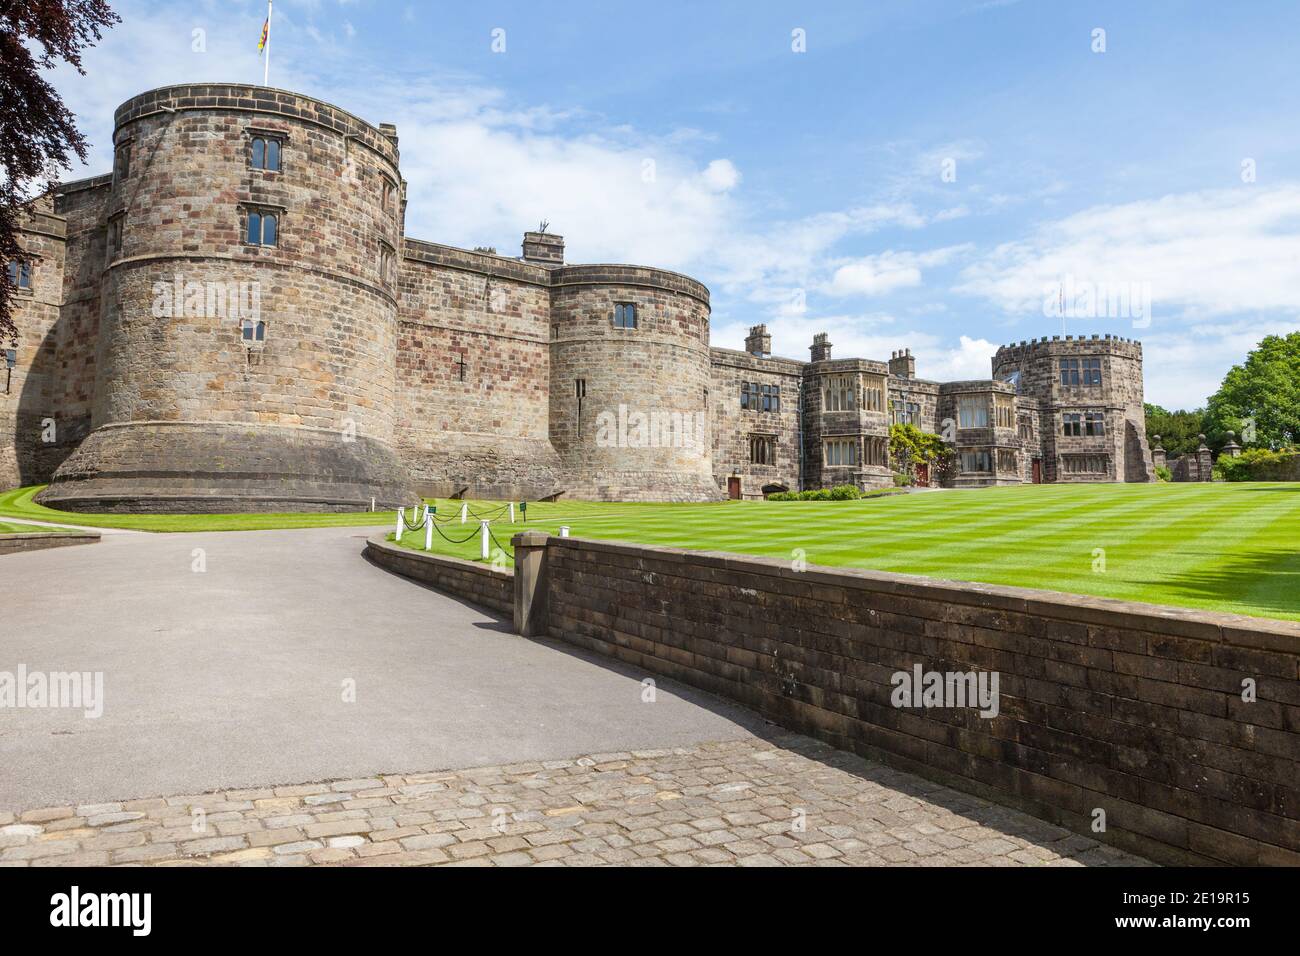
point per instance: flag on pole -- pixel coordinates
(264, 46)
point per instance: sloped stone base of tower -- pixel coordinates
(484, 466)
(641, 486)
(1138, 463)
(209, 467)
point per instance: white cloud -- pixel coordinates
(885, 272)
(971, 360)
(1205, 254)
(721, 175)
(875, 275)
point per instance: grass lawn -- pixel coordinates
(14, 527)
(1225, 546)
(18, 504)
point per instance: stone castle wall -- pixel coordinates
(84, 206)
(473, 374)
(170, 344)
(859, 424)
(28, 400)
(1119, 397)
(996, 440)
(604, 377)
(733, 426)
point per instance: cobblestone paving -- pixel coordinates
(790, 801)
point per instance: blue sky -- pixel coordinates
(923, 174)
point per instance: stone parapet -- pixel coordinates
(478, 583)
(39, 541)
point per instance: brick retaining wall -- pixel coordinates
(480, 583)
(1129, 708)
(38, 541)
(1132, 709)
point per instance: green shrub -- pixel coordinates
(783, 496)
(903, 480)
(845, 493)
(1258, 464)
(1163, 473)
(816, 494)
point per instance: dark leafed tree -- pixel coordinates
(38, 134)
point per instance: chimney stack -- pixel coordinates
(821, 347)
(544, 249)
(759, 342)
(902, 364)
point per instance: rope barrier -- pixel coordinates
(507, 551)
(432, 520)
(490, 517)
(453, 540)
(414, 527)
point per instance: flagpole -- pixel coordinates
(266, 67)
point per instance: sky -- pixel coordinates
(940, 175)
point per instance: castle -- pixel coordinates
(234, 320)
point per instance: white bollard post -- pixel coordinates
(372, 503)
(428, 534)
(512, 512)
(464, 511)
(401, 513)
(426, 511)
(564, 531)
(484, 536)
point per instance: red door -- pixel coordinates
(1038, 471)
(733, 487)
(923, 475)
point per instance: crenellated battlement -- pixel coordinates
(1057, 345)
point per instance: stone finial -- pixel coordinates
(759, 342)
(1231, 448)
(821, 347)
(1201, 439)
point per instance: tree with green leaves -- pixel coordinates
(909, 447)
(38, 133)
(1259, 399)
(1178, 431)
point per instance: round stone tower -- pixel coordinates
(1099, 380)
(630, 380)
(247, 339)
